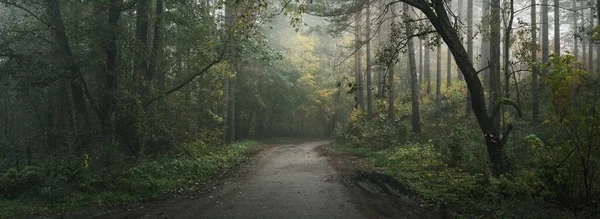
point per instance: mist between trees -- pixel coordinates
(90, 89)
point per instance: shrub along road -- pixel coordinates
(286, 181)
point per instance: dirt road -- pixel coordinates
(290, 181)
(286, 181)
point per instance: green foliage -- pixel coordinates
(82, 181)
(14, 182)
(423, 170)
(375, 133)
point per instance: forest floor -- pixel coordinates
(306, 180)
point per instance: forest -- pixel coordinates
(484, 109)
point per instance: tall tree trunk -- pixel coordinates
(414, 83)
(438, 80)
(427, 69)
(556, 27)
(584, 40)
(459, 22)
(591, 44)
(368, 53)
(420, 70)
(535, 107)
(155, 72)
(507, 44)
(81, 116)
(484, 62)
(495, 61)
(390, 93)
(230, 18)
(358, 63)
(112, 56)
(141, 35)
(575, 32)
(390, 68)
(597, 70)
(469, 47)
(448, 68)
(545, 30)
(380, 44)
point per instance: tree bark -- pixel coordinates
(507, 44)
(469, 47)
(391, 86)
(591, 44)
(459, 15)
(368, 54)
(438, 80)
(485, 47)
(141, 35)
(575, 32)
(448, 68)
(110, 77)
(597, 70)
(556, 27)
(230, 17)
(584, 41)
(154, 73)
(427, 70)
(437, 15)
(358, 63)
(81, 116)
(414, 82)
(495, 61)
(420, 70)
(535, 108)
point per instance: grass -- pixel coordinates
(464, 195)
(87, 184)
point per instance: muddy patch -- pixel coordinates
(375, 194)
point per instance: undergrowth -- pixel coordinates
(447, 162)
(83, 181)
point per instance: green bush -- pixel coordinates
(14, 183)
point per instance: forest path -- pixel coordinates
(284, 181)
(289, 181)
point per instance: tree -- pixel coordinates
(438, 80)
(414, 82)
(448, 68)
(591, 42)
(390, 68)
(534, 76)
(557, 27)
(597, 47)
(421, 69)
(81, 118)
(469, 46)
(494, 90)
(154, 73)
(141, 35)
(576, 36)
(545, 34)
(484, 61)
(368, 53)
(357, 62)
(437, 15)
(427, 68)
(229, 81)
(508, 23)
(458, 24)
